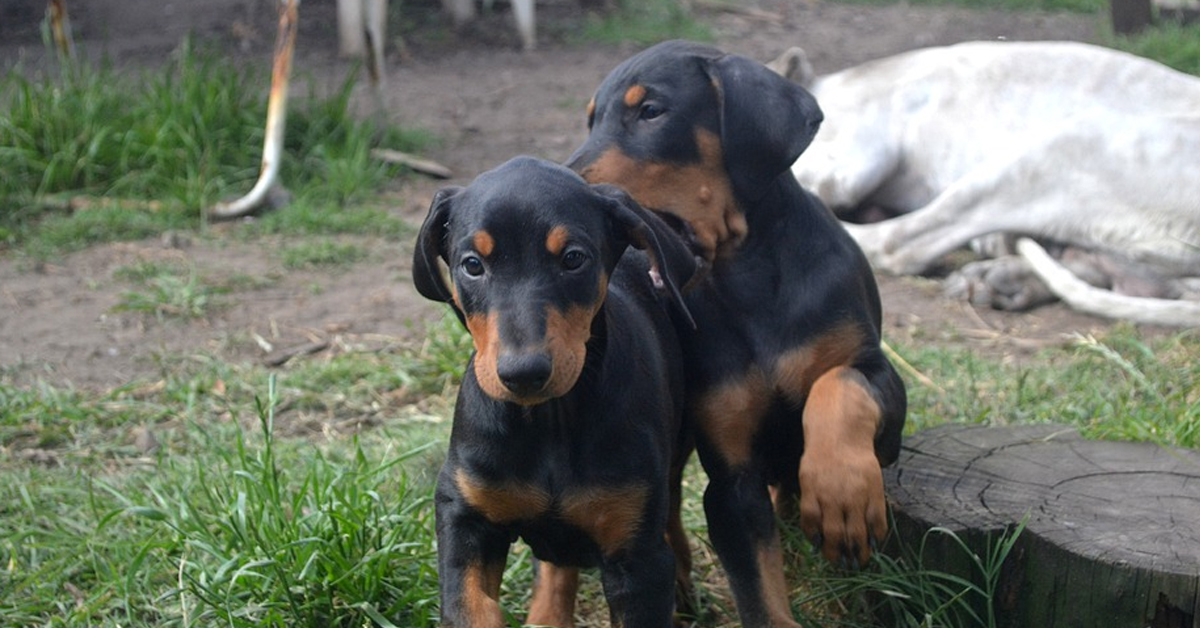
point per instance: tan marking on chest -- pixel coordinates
(503, 502)
(730, 414)
(610, 516)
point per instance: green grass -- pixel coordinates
(1169, 43)
(300, 509)
(247, 531)
(183, 137)
(644, 23)
(1118, 387)
(322, 254)
(171, 292)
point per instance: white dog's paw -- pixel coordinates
(1004, 283)
(872, 239)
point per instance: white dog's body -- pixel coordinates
(1063, 142)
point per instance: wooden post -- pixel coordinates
(1113, 537)
(1130, 16)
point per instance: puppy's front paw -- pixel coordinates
(842, 505)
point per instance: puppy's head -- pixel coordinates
(530, 247)
(697, 133)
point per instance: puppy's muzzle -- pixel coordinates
(525, 374)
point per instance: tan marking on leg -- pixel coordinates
(634, 95)
(502, 503)
(699, 194)
(729, 416)
(484, 242)
(841, 483)
(553, 602)
(843, 413)
(556, 240)
(796, 370)
(591, 108)
(610, 516)
(481, 596)
(774, 586)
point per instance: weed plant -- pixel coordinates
(179, 138)
(900, 589)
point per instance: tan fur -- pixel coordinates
(700, 194)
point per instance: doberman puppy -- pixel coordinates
(788, 388)
(567, 428)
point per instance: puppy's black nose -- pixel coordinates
(525, 373)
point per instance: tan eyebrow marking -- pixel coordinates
(484, 243)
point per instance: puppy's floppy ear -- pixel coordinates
(671, 261)
(431, 244)
(766, 121)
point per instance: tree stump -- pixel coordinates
(1113, 532)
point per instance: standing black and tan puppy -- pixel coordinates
(787, 385)
(567, 427)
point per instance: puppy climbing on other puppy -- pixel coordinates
(788, 389)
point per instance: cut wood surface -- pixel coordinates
(1113, 533)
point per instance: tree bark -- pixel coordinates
(1113, 535)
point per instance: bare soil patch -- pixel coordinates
(486, 101)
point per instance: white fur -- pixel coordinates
(1065, 142)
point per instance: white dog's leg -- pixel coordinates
(1086, 298)
(1005, 196)
(350, 28)
(461, 11)
(523, 12)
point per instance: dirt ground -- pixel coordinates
(485, 101)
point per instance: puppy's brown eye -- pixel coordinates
(472, 265)
(573, 260)
(650, 111)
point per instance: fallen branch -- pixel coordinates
(420, 164)
(263, 191)
(282, 356)
(749, 12)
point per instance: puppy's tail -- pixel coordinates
(794, 66)
(1086, 298)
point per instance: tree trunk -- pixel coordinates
(1113, 535)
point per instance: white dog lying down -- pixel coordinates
(1073, 145)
